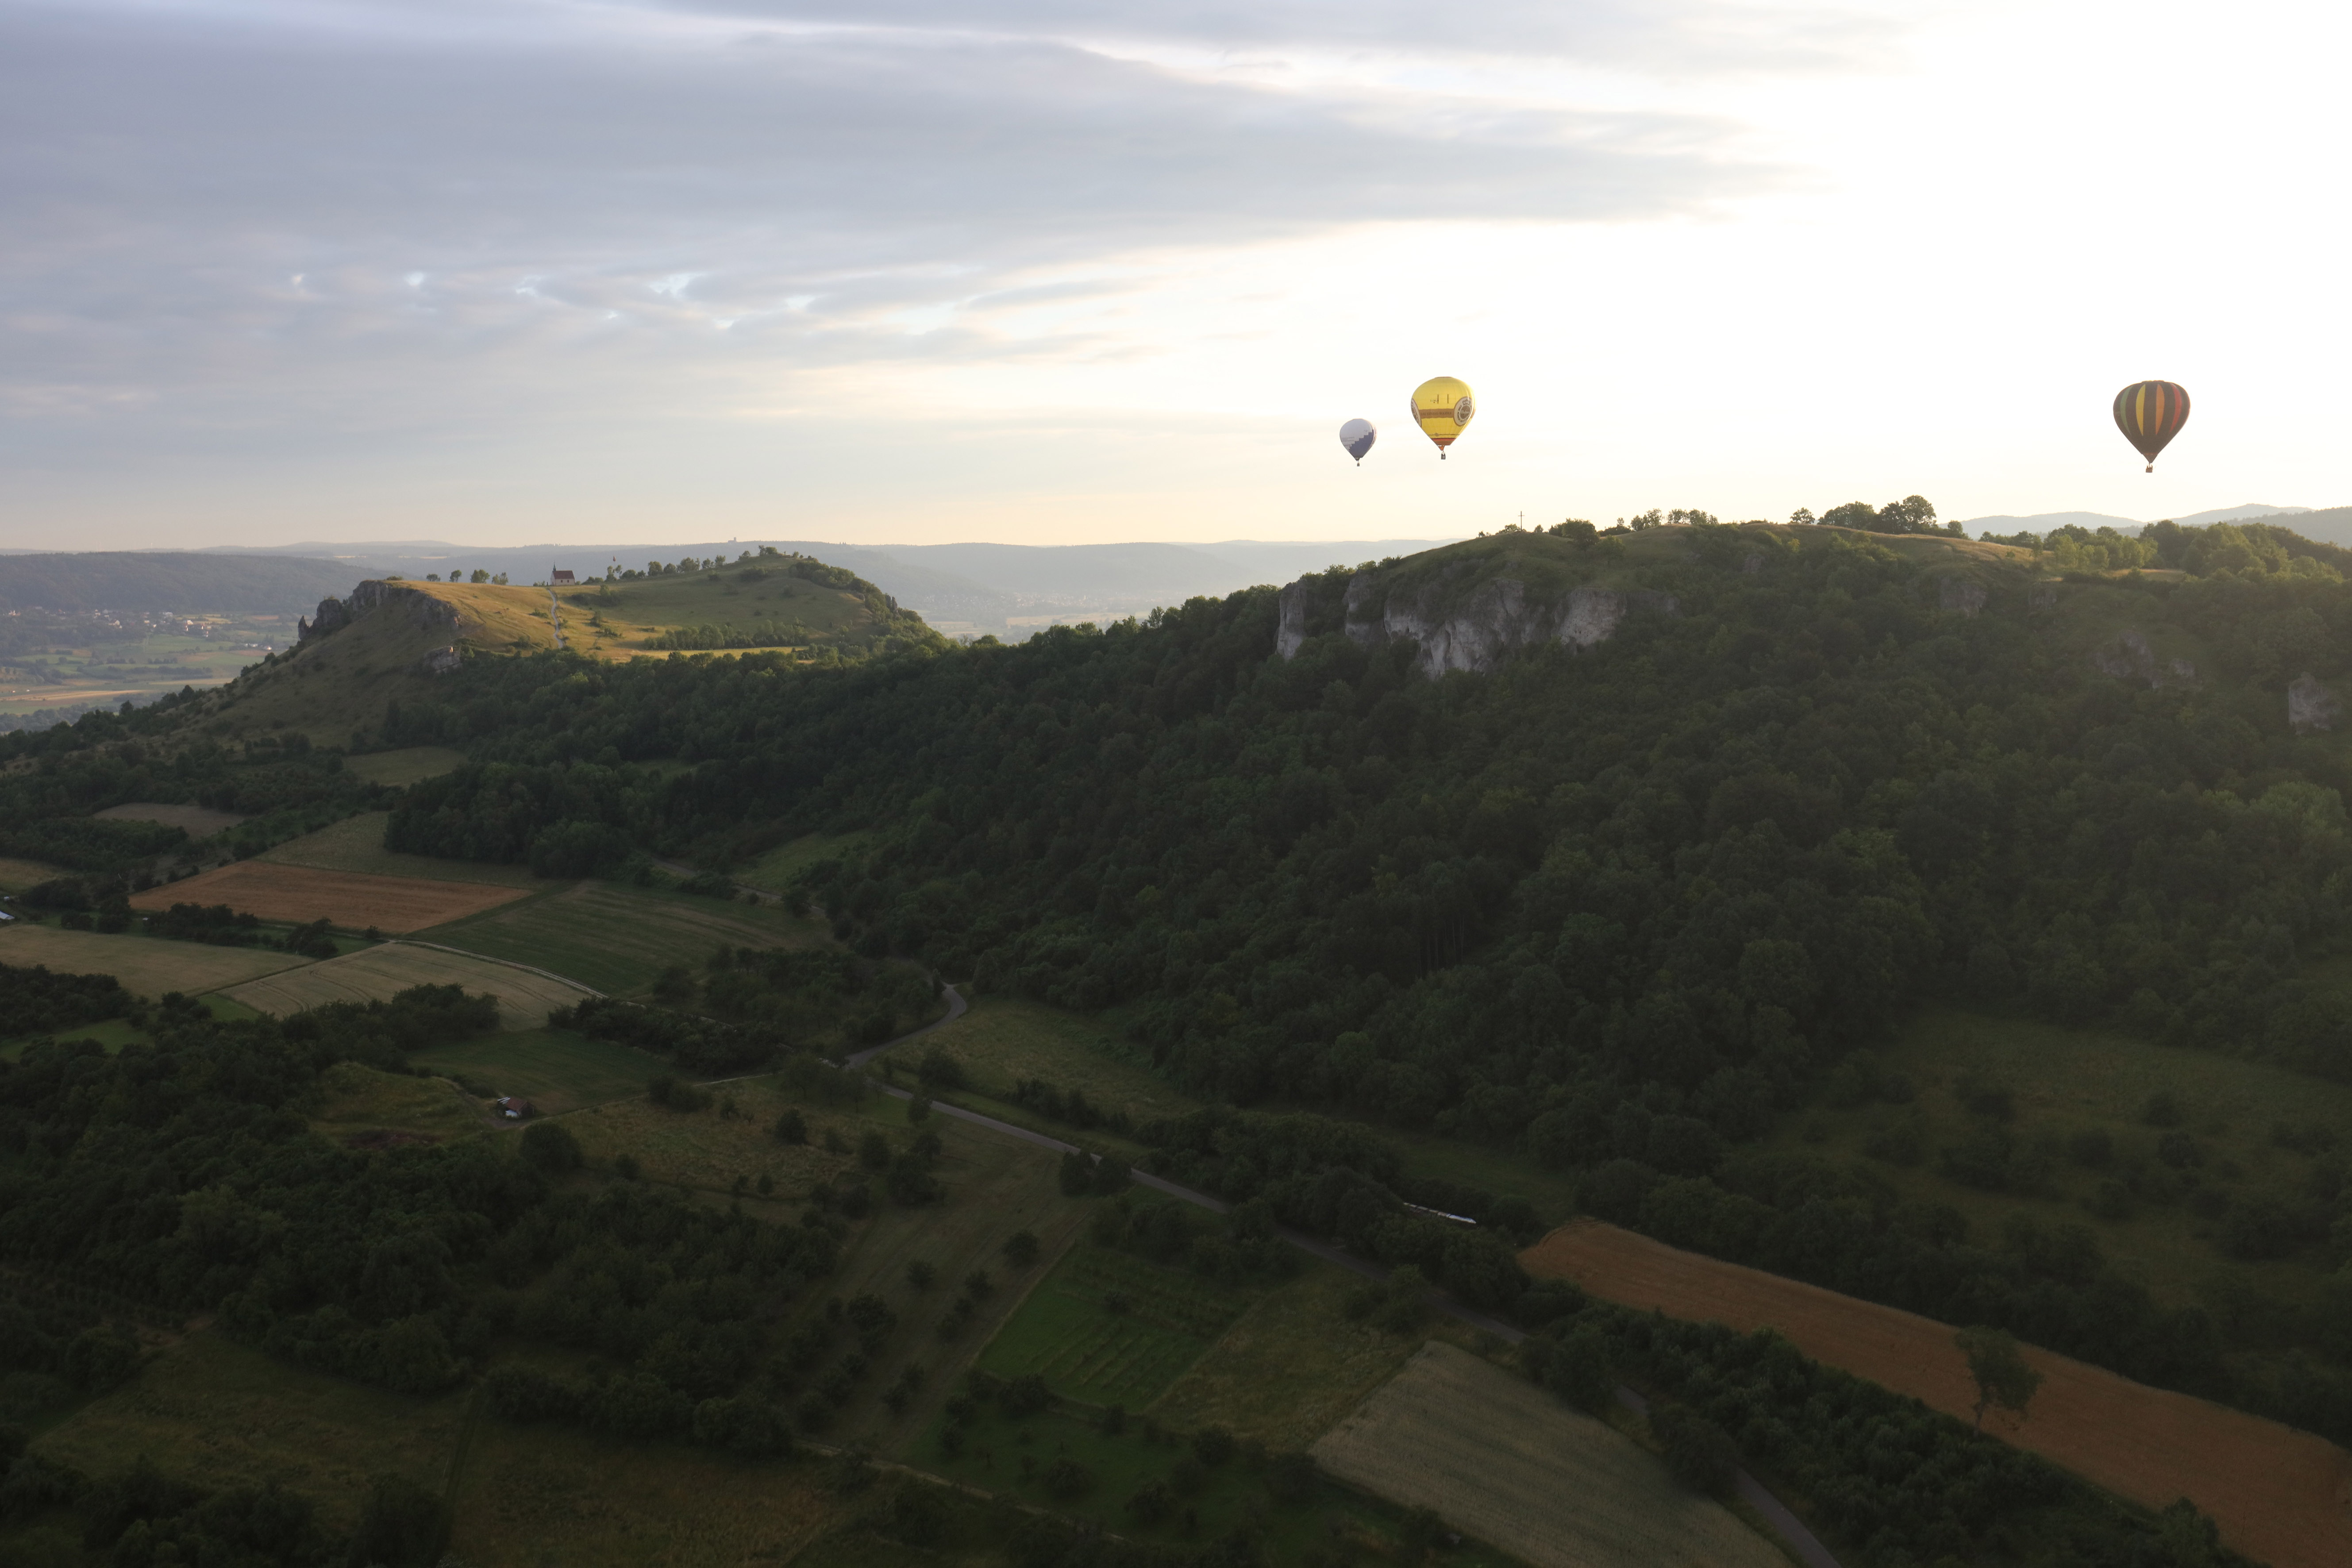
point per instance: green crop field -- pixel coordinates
(404, 766)
(617, 939)
(356, 844)
(555, 1070)
(1290, 1367)
(219, 1414)
(2165, 1225)
(380, 972)
(148, 965)
(1111, 1329)
(1500, 1459)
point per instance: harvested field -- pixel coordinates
(2279, 1495)
(196, 821)
(356, 844)
(404, 766)
(146, 964)
(617, 939)
(377, 974)
(1503, 1460)
(219, 1414)
(352, 900)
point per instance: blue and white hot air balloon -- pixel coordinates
(1358, 436)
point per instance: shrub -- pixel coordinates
(549, 1146)
(1021, 1248)
(1213, 1445)
(1067, 1480)
(792, 1127)
(1700, 1453)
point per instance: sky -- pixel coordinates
(1058, 271)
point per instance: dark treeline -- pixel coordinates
(34, 1001)
(1623, 904)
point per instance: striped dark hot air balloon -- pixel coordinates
(2149, 413)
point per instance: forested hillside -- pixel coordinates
(1618, 909)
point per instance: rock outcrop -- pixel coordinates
(1959, 595)
(2311, 706)
(440, 661)
(423, 609)
(2131, 657)
(1469, 631)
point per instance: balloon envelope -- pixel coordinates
(2149, 413)
(1358, 436)
(1441, 406)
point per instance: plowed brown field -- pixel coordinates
(352, 900)
(2279, 1495)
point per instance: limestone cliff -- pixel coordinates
(1458, 626)
(421, 609)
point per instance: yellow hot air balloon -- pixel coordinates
(1441, 406)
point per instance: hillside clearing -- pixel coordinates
(299, 894)
(359, 1105)
(2279, 1495)
(405, 766)
(1500, 1459)
(356, 844)
(378, 973)
(1001, 1040)
(145, 964)
(16, 876)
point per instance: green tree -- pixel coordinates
(2001, 1376)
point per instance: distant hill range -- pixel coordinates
(959, 588)
(2044, 521)
(155, 580)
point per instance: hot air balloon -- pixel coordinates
(1358, 436)
(1441, 406)
(2149, 413)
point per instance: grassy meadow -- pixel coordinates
(360, 1103)
(380, 971)
(617, 939)
(555, 1070)
(779, 866)
(148, 965)
(1107, 1328)
(223, 1415)
(2081, 1150)
(356, 844)
(1001, 1040)
(1290, 1366)
(614, 619)
(404, 766)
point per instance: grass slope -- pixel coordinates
(222, 1416)
(356, 1103)
(1501, 1459)
(356, 844)
(555, 1070)
(379, 973)
(617, 939)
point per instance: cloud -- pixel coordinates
(190, 191)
